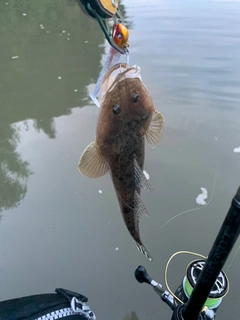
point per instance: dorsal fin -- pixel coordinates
(140, 178)
(139, 207)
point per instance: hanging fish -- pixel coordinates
(127, 115)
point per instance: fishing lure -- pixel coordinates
(120, 37)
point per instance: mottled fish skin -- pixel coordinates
(120, 138)
(126, 117)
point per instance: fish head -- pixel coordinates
(126, 108)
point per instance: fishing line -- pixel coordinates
(187, 252)
(167, 266)
(234, 257)
(198, 208)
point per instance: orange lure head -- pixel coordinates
(120, 35)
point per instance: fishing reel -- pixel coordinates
(205, 284)
(101, 10)
(216, 295)
(183, 292)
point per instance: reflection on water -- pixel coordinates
(14, 172)
(131, 316)
(31, 88)
(40, 63)
(128, 22)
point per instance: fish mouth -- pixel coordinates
(118, 73)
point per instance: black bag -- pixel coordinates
(60, 305)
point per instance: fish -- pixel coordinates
(127, 116)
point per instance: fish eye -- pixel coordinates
(116, 109)
(135, 97)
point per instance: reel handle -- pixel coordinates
(141, 275)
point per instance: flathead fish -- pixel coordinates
(126, 117)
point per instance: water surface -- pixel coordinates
(56, 229)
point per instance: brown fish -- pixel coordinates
(126, 116)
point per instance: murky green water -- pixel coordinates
(56, 229)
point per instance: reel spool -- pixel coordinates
(219, 289)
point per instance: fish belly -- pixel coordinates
(128, 193)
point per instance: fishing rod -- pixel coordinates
(205, 284)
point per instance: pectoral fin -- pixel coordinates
(91, 163)
(155, 130)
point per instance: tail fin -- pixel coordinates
(143, 250)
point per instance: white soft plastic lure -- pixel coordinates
(113, 58)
